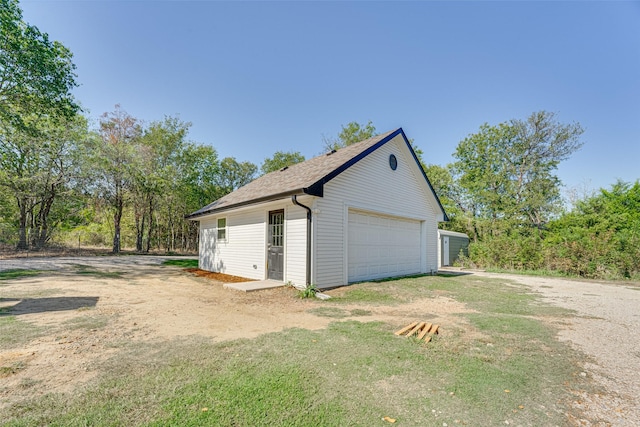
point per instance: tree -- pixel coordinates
(280, 160)
(36, 167)
(36, 74)
(198, 173)
(113, 157)
(234, 174)
(155, 172)
(7, 213)
(36, 79)
(443, 184)
(507, 172)
(355, 132)
(61, 170)
(350, 134)
(600, 236)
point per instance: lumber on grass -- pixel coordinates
(434, 329)
(406, 328)
(424, 331)
(416, 328)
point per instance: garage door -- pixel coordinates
(382, 246)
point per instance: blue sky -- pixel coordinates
(258, 77)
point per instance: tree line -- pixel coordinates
(65, 180)
(503, 191)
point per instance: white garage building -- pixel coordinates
(363, 212)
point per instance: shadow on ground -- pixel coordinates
(42, 305)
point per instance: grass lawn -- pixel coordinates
(184, 263)
(17, 273)
(351, 374)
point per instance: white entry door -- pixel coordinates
(382, 246)
(445, 250)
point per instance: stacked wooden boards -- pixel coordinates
(424, 330)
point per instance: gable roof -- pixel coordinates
(307, 177)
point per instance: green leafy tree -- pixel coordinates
(355, 132)
(199, 170)
(350, 134)
(37, 169)
(279, 160)
(155, 174)
(113, 157)
(444, 185)
(234, 174)
(36, 79)
(600, 237)
(507, 172)
(449, 193)
(8, 211)
(36, 74)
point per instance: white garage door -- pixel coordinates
(382, 246)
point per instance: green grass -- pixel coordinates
(86, 322)
(13, 368)
(360, 312)
(544, 273)
(614, 278)
(338, 313)
(332, 312)
(18, 273)
(15, 332)
(352, 373)
(184, 263)
(86, 270)
(102, 274)
(357, 294)
(483, 294)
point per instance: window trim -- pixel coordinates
(224, 230)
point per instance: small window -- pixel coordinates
(222, 228)
(393, 162)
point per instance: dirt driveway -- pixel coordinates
(607, 328)
(86, 307)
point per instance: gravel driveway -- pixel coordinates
(607, 328)
(103, 262)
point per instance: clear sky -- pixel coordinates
(258, 77)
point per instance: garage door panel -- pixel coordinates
(380, 246)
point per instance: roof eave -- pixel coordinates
(310, 191)
(445, 217)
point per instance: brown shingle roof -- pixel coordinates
(307, 177)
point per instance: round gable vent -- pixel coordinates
(393, 162)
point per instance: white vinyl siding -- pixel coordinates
(370, 185)
(296, 245)
(243, 248)
(246, 242)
